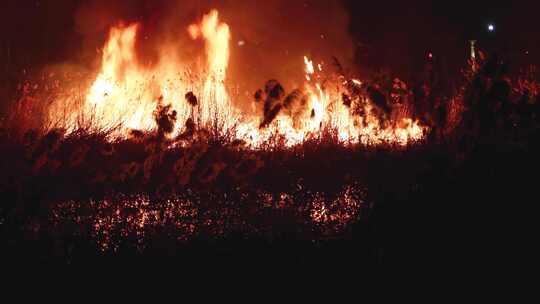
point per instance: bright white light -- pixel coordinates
(491, 27)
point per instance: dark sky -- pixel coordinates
(395, 34)
(400, 33)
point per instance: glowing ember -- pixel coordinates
(119, 220)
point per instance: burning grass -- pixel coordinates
(125, 94)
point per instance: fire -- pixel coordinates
(125, 94)
(217, 36)
(329, 112)
(109, 97)
(309, 68)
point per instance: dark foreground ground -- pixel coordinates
(476, 218)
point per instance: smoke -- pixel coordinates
(269, 38)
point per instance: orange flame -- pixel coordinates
(217, 37)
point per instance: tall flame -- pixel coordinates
(113, 97)
(216, 36)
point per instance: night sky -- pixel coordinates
(399, 33)
(393, 34)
